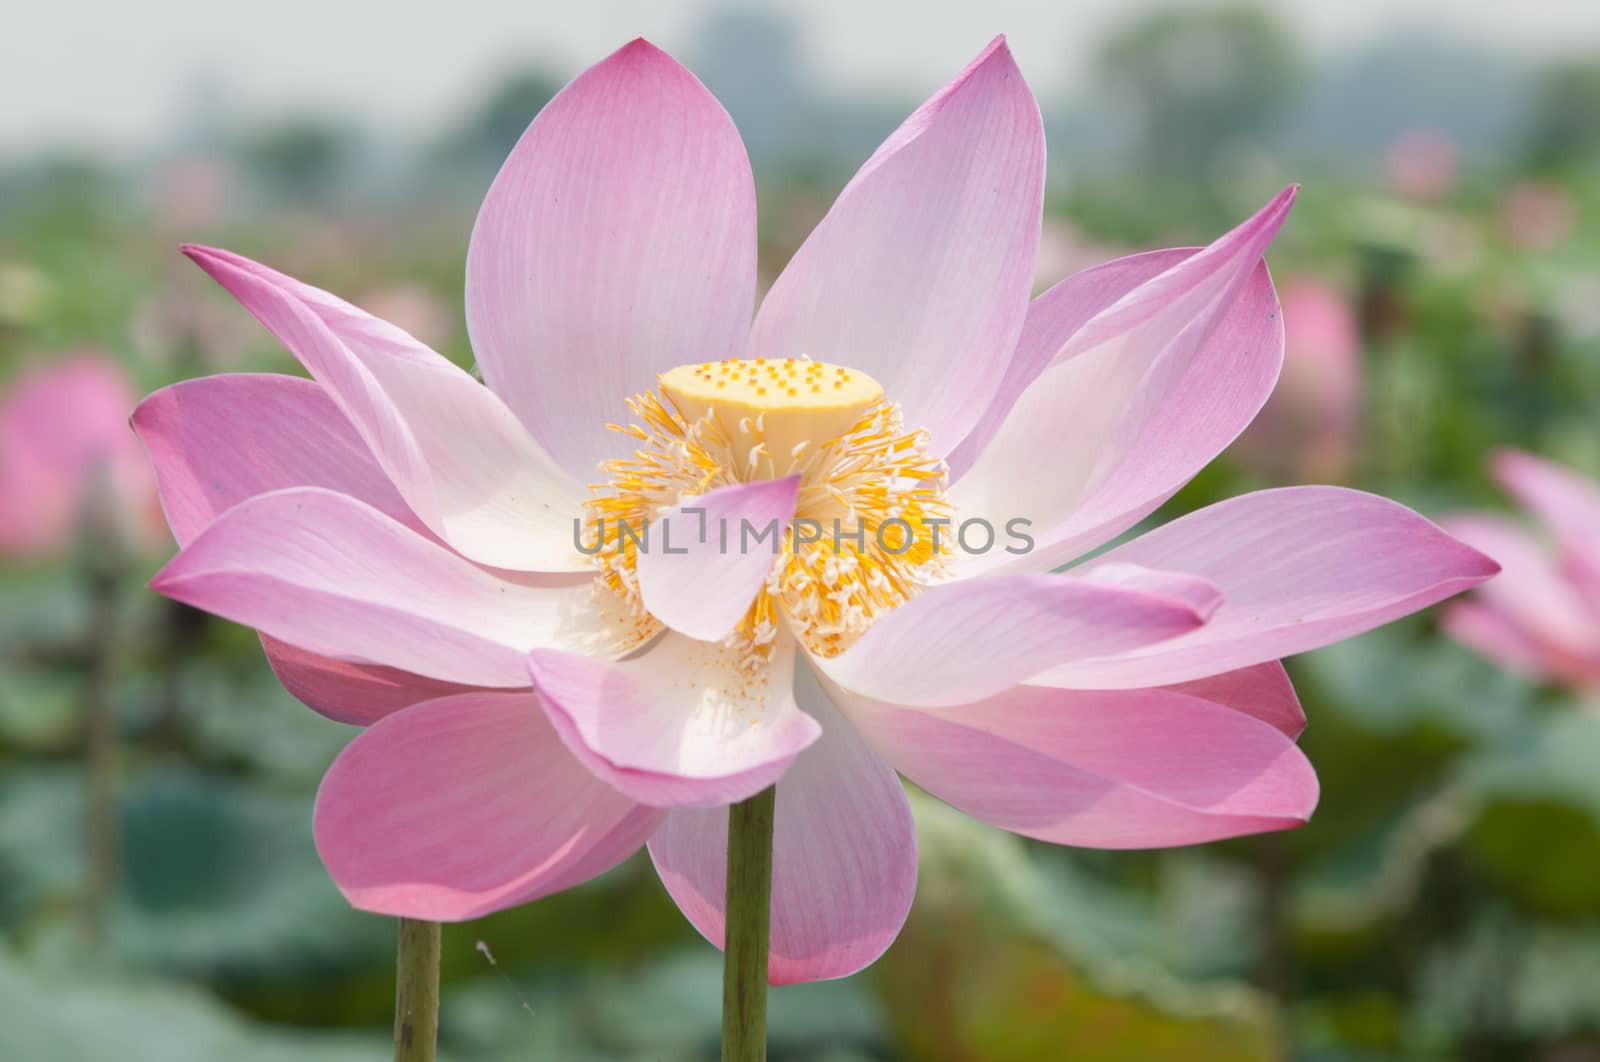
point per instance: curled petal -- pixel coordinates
(699, 571)
(686, 723)
(1299, 568)
(336, 577)
(1154, 386)
(454, 452)
(1052, 319)
(218, 440)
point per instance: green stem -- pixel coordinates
(101, 752)
(416, 992)
(749, 918)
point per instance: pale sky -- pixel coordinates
(114, 73)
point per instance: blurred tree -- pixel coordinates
(752, 61)
(465, 156)
(1565, 124)
(298, 158)
(1199, 85)
(504, 113)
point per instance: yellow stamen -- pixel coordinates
(871, 498)
(790, 416)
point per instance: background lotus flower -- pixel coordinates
(403, 537)
(1422, 164)
(1310, 427)
(1542, 616)
(65, 450)
(1537, 215)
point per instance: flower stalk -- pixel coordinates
(416, 992)
(749, 918)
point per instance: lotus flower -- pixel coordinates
(404, 537)
(66, 454)
(1542, 617)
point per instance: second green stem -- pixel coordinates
(748, 926)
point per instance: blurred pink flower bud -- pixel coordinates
(1310, 427)
(66, 452)
(1421, 165)
(1537, 215)
(194, 192)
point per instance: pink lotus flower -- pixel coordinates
(1311, 425)
(65, 449)
(403, 537)
(1542, 616)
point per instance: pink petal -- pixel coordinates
(1534, 596)
(218, 440)
(1154, 386)
(844, 858)
(467, 805)
(1565, 502)
(348, 692)
(1053, 318)
(700, 570)
(334, 576)
(920, 273)
(1299, 568)
(618, 241)
(1261, 690)
(1105, 769)
(964, 641)
(456, 453)
(683, 724)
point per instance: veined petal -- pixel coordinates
(1154, 386)
(218, 440)
(920, 273)
(1052, 320)
(1565, 502)
(685, 723)
(466, 805)
(698, 572)
(618, 241)
(961, 642)
(844, 856)
(455, 452)
(334, 576)
(1299, 568)
(1105, 769)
